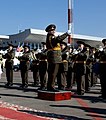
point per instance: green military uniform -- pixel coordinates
(54, 55)
(63, 68)
(24, 66)
(103, 70)
(43, 69)
(1, 65)
(9, 56)
(95, 65)
(70, 73)
(79, 69)
(1, 61)
(35, 67)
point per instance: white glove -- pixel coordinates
(101, 49)
(39, 51)
(69, 32)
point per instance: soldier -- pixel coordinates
(1, 60)
(35, 66)
(43, 67)
(79, 68)
(1, 64)
(53, 55)
(63, 68)
(95, 65)
(24, 66)
(88, 69)
(70, 73)
(103, 70)
(9, 56)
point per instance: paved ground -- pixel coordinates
(18, 104)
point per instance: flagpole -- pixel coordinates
(70, 20)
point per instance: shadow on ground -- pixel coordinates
(98, 112)
(52, 115)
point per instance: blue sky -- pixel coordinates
(89, 16)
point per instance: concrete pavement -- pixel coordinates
(25, 102)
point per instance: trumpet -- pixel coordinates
(76, 51)
(100, 48)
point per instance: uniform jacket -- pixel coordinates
(79, 65)
(65, 57)
(34, 62)
(9, 56)
(25, 61)
(102, 58)
(43, 61)
(54, 49)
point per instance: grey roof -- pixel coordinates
(4, 37)
(38, 36)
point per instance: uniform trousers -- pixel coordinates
(80, 79)
(69, 77)
(43, 73)
(103, 79)
(52, 73)
(24, 76)
(62, 75)
(9, 75)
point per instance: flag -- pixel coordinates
(20, 47)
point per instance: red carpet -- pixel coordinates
(13, 114)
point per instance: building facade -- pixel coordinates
(34, 37)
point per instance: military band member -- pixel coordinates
(35, 67)
(79, 68)
(103, 70)
(1, 61)
(24, 66)
(88, 69)
(54, 55)
(63, 68)
(43, 67)
(9, 56)
(70, 73)
(95, 65)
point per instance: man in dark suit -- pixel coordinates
(54, 55)
(9, 56)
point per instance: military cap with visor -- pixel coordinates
(9, 44)
(26, 46)
(50, 27)
(43, 43)
(80, 42)
(104, 41)
(87, 45)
